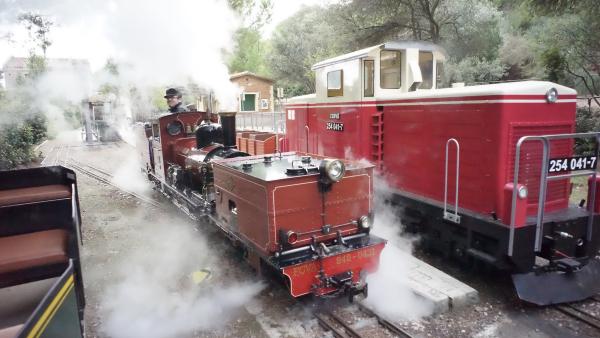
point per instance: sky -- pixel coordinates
(72, 39)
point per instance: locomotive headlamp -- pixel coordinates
(552, 95)
(522, 192)
(334, 170)
(292, 237)
(364, 222)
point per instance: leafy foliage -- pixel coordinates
(300, 42)
(588, 120)
(250, 53)
(21, 127)
(38, 27)
(250, 50)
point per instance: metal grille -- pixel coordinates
(557, 193)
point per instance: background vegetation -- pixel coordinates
(22, 123)
(486, 41)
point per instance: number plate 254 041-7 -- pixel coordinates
(558, 165)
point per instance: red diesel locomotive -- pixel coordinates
(470, 166)
(305, 217)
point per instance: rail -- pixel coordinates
(545, 139)
(263, 121)
(453, 217)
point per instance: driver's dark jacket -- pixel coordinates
(178, 108)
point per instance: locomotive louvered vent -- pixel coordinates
(557, 192)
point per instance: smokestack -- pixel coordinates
(228, 124)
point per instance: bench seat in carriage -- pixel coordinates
(39, 253)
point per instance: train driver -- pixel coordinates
(174, 102)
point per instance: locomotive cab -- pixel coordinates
(379, 71)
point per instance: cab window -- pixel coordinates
(426, 65)
(389, 69)
(368, 75)
(335, 81)
(439, 74)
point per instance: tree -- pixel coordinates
(250, 50)
(250, 53)
(567, 31)
(298, 43)
(38, 27)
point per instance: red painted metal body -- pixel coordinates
(257, 202)
(305, 275)
(172, 148)
(261, 203)
(412, 151)
(268, 201)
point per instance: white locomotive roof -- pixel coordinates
(395, 45)
(308, 98)
(505, 88)
(345, 57)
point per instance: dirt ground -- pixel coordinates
(133, 271)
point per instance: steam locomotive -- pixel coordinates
(484, 172)
(306, 218)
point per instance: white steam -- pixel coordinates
(154, 295)
(155, 44)
(129, 178)
(389, 288)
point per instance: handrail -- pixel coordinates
(449, 216)
(545, 139)
(307, 136)
(277, 149)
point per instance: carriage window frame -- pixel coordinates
(386, 69)
(439, 74)
(335, 89)
(369, 78)
(155, 130)
(426, 66)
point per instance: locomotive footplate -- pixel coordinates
(574, 283)
(339, 269)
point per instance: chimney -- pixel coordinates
(228, 124)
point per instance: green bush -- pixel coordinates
(17, 141)
(22, 126)
(587, 120)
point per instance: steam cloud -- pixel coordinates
(154, 43)
(154, 295)
(389, 291)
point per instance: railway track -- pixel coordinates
(580, 314)
(106, 178)
(54, 156)
(330, 321)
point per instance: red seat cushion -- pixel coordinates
(34, 194)
(36, 249)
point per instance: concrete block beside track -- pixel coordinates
(442, 290)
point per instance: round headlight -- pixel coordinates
(552, 95)
(522, 192)
(292, 237)
(364, 222)
(333, 169)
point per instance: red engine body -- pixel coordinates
(278, 208)
(381, 104)
(261, 203)
(412, 152)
